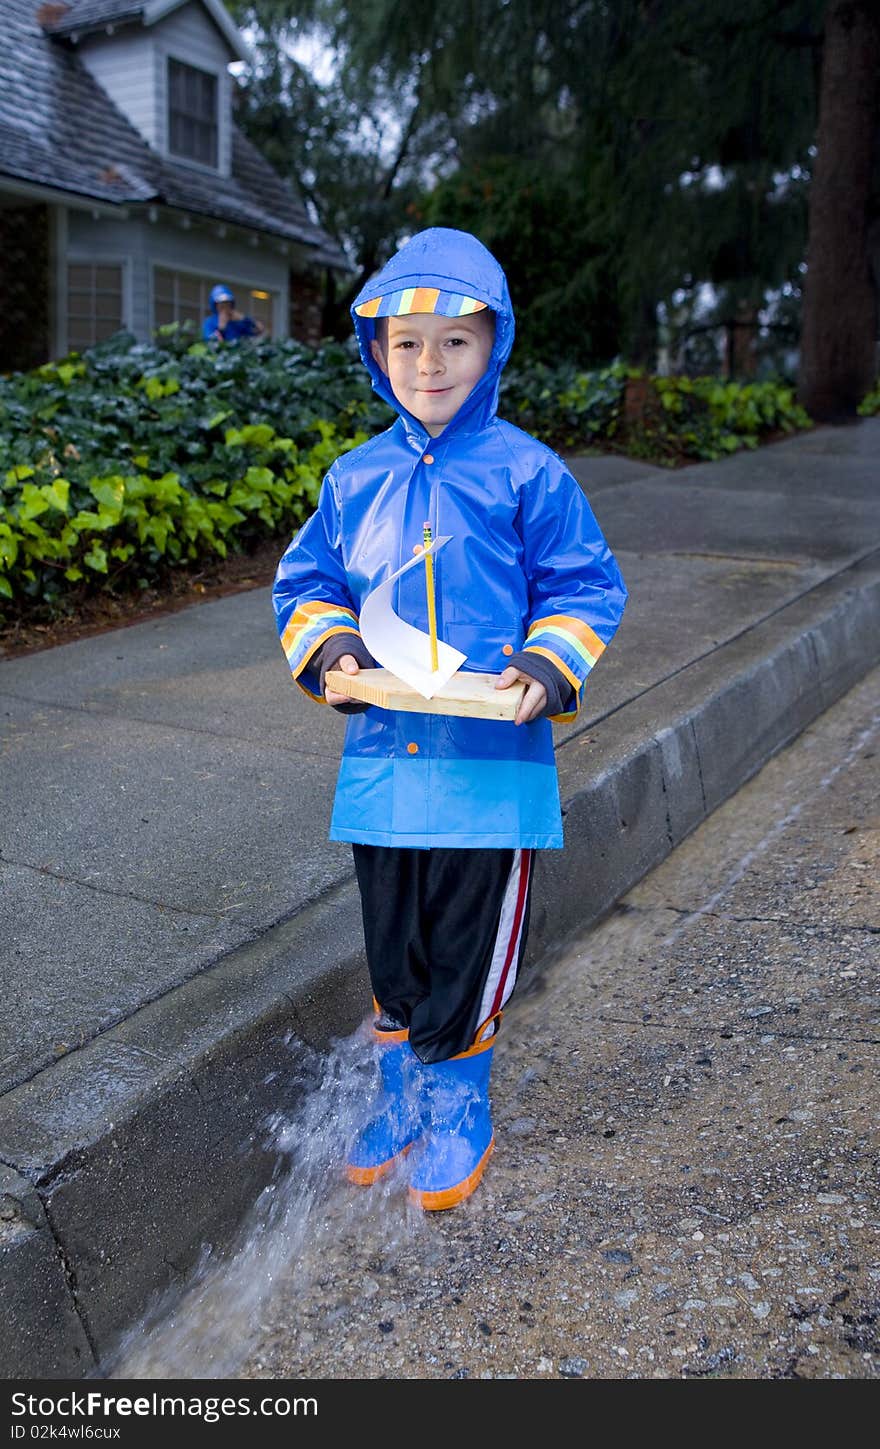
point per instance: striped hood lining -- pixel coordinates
(409, 300)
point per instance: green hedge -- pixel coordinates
(564, 407)
(134, 525)
(669, 420)
(707, 418)
(134, 459)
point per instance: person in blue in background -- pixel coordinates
(445, 814)
(224, 323)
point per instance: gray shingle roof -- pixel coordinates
(24, 157)
(58, 128)
(83, 14)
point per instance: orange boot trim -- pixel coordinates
(433, 1202)
(366, 1176)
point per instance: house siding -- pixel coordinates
(124, 64)
(141, 245)
(132, 67)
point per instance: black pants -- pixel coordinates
(445, 932)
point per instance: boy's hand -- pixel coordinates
(349, 665)
(534, 699)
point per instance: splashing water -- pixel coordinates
(303, 1218)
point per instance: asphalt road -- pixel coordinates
(685, 1180)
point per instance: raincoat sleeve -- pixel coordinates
(576, 592)
(310, 595)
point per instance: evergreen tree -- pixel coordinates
(616, 157)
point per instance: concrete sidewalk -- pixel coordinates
(172, 913)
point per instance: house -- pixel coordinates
(127, 191)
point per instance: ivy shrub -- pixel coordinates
(564, 407)
(667, 420)
(136, 458)
(131, 527)
(682, 419)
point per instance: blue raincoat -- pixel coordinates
(236, 328)
(527, 568)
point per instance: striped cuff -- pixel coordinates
(569, 644)
(308, 627)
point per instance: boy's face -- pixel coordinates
(433, 363)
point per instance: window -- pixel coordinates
(192, 113)
(182, 297)
(179, 297)
(94, 303)
(259, 306)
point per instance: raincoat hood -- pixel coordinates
(448, 272)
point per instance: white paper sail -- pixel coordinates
(401, 647)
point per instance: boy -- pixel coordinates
(445, 813)
(224, 323)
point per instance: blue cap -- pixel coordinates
(220, 294)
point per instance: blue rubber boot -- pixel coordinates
(397, 1122)
(458, 1138)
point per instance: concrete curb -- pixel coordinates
(108, 1197)
(636, 783)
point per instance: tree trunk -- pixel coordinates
(742, 342)
(642, 350)
(839, 338)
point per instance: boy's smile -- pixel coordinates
(433, 363)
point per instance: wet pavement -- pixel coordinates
(685, 1182)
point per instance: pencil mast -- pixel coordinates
(429, 585)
